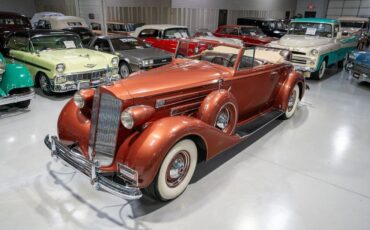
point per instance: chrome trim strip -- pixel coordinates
(17, 98)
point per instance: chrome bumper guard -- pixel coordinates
(304, 68)
(360, 77)
(98, 180)
(17, 98)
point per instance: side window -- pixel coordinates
(247, 60)
(18, 43)
(149, 33)
(43, 24)
(336, 30)
(102, 45)
(232, 31)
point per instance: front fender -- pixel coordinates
(146, 151)
(282, 98)
(16, 76)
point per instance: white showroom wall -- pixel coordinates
(20, 6)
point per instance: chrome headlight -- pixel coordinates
(314, 52)
(60, 68)
(146, 63)
(60, 79)
(127, 120)
(115, 61)
(79, 100)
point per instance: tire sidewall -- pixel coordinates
(163, 191)
(124, 64)
(48, 90)
(289, 114)
(323, 65)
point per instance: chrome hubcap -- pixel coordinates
(44, 84)
(178, 168)
(223, 119)
(291, 101)
(124, 71)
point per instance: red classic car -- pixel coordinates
(166, 37)
(149, 131)
(251, 35)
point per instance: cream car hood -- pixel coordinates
(303, 41)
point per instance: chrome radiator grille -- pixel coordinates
(105, 120)
(93, 75)
(361, 69)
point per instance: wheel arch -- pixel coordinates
(37, 77)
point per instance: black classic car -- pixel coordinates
(133, 53)
(270, 27)
(11, 22)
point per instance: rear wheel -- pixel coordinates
(176, 171)
(44, 84)
(319, 74)
(292, 103)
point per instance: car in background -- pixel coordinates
(57, 61)
(352, 58)
(361, 66)
(16, 85)
(10, 22)
(37, 16)
(250, 35)
(316, 43)
(151, 130)
(207, 36)
(68, 23)
(269, 26)
(166, 37)
(356, 26)
(115, 27)
(133, 53)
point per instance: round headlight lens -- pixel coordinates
(314, 52)
(79, 100)
(127, 120)
(60, 68)
(115, 61)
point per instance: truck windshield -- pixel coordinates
(311, 29)
(56, 42)
(127, 44)
(352, 24)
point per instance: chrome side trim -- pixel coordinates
(99, 181)
(17, 98)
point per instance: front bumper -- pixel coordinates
(99, 181)
(360, 77)
(17, 98)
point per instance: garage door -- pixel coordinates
(348, 8)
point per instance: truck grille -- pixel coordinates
(93, 75)
(361, 69)
(299, 60)
(105, 120)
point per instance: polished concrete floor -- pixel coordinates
(310, 172)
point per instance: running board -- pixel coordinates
(257, 124)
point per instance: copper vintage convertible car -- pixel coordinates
(150, 131)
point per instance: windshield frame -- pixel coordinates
(291, 32)
(32, 48)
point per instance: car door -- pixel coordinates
(254, 84)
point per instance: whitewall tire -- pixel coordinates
(176, 170)
(292, 103)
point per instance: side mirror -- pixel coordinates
(96, 47)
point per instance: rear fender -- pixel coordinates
(294, 78)
(16, 76)
(145, 151)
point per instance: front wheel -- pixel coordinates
(124, 70)
(45, 85)
(292, 103)
(176, 171)
(319, 74)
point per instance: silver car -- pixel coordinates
(134, 54)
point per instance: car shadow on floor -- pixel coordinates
(12, 111)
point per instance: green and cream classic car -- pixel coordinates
(316, 43)
(57, 61)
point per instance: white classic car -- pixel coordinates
(315, 44)
(207, 36)
(356, 26)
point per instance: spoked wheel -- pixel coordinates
(44, 83)
(124, 70)
(226, 118)
(318, 75)
(176, 171)
(292, 103)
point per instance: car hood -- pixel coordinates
(146, 53)
(178, 75)
(303, 41)
(77, 59)
(363, 59)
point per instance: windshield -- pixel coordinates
(56, 42)
(176, 33)
(127, 44)
(352, 24)
(251, 31)
(311, 29)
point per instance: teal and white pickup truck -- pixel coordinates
(315, 44)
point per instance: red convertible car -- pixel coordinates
(166, 37)
(250, 35)
(149, 131)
